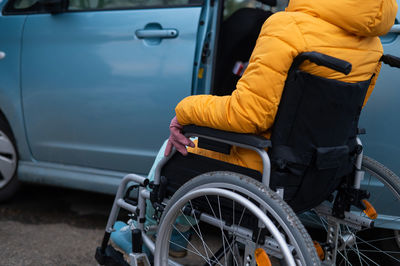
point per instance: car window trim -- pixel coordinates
(9, 10)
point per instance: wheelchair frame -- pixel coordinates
(350, 219)
(258, 144)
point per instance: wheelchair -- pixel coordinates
(313, 177)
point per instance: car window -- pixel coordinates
(123, 4)
(37, 6)
(230, 6)
(22, 4)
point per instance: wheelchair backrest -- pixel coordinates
(314, 133)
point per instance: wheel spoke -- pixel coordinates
(377, 249)
(187, 240)
(195, 253)
(220, 223)
(199, 234)
(380, 239)
(198, 228)
(221, 226)
(344, 257)
(364, 257)
(358, 253)
(344, 250)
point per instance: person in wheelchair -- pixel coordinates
(305, 37)
(347, 30)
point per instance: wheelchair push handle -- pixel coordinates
(324, 60)
(391, 60)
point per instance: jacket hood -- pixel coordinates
(362, 18)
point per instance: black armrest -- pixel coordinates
(246, 139)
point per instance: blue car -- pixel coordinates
(87, 88)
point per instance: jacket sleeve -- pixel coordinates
(253, 105)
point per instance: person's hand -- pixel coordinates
(177, 139)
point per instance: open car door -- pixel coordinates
(100, 81)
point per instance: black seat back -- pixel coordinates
(314, 133)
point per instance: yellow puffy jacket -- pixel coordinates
(346, 29)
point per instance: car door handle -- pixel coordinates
(2, 55)
(395, 29)
(152, 33)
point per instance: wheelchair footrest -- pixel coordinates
(110, 257)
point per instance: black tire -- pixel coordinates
(383, 173)
(281, 209)
(8, 175)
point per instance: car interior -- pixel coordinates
(237, 38)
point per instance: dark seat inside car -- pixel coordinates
(239, 33)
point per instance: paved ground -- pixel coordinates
(52, 226)
(45, 225)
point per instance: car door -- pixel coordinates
(100, 81)
(380, 116)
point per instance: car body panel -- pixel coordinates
(10, 93)
(96, 100)
(380, 116)
(77, 177)
(108, 94)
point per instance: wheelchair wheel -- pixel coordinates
(225, 212)
(381, 244)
